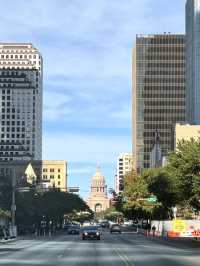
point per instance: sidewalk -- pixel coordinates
(184, 242)
(4, 241)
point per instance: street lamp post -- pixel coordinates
(13, 206)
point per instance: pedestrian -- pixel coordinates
(148, 229)
(153, 230)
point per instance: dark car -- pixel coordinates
(115, 228)
(104, 224)
(91, 232)
(66, 226)
(73, 230)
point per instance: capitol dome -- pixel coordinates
(98, 175)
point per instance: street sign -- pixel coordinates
(152, 199)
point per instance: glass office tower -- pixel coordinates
(158, 93)
(193, 61)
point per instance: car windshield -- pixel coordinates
(90, 228)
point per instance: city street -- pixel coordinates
(117, 250)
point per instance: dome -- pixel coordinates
(98, 175)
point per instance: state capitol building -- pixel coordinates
(98, 200)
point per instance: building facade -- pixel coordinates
(125, 164)
(193, 61)
(186, 132)
(21, 77)
(45, 174)
(158, 93)
(98, 200)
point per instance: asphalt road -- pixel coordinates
(113, 250)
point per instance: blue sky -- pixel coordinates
(86, 47)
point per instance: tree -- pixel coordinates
(54, 204)
(135, 195)
(184, 168)
(112, 214)
(162, 185)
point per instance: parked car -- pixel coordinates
(91, 232)
(115, 228)
(73, 230)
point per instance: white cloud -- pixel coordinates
(122, 113)
(81, 170)
(56, 105)
(84, 147)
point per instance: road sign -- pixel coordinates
(152, 199)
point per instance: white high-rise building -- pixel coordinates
(21, 78)
(193, 61)
(125, 165)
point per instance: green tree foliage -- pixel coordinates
(184, 168)
(161, 185)
(112, 214)
(53, 204)
(135, 195)
(4, 214)
(164, 188)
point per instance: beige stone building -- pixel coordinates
(186, 132)
(98, 200)
(46, 173)
(54, 174)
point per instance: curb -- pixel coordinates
(3, 241)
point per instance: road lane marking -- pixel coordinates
(124, 258)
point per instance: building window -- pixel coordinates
(51, 176)
(52, 170)
(44, 170)
(58, 183)
(58, 176)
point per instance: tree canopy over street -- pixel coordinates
(176, 184)
(32, 205)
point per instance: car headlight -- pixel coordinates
(85, 233)
(97, 233)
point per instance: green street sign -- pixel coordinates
(152, 199)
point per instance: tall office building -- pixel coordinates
(125, 164)
(20, 102)
(158, 93)
(193, 61)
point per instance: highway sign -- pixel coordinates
(152, 199)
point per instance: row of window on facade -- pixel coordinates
(18, 93)
(19, 73)
(11, 147)
(33, 67)
(19, 63)
(52, 170)
(51, 177)
(11, 56)
(18, 136)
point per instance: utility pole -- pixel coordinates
(13, 206)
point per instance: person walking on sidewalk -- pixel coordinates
(153, 230)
